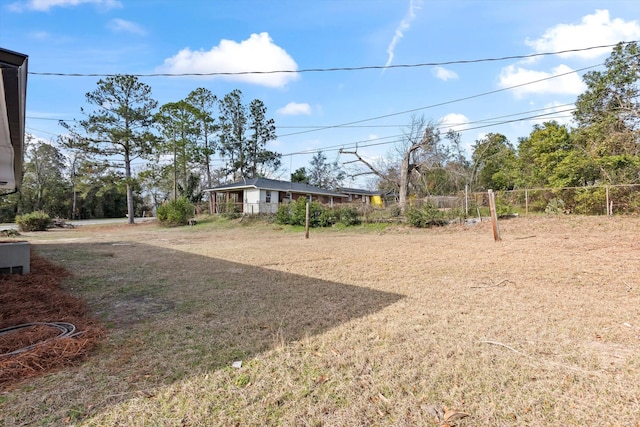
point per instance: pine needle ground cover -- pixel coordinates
(255, 325)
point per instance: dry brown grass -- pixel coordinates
(351, 329)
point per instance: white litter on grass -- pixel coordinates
(237, 364)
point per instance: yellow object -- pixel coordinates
(376, 201)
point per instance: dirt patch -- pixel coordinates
(36, 298)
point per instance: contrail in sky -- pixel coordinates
(405, 24)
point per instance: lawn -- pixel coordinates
(377, 326)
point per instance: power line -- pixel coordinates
(493, 121)
(466, 98)
(333, 69)
(398, 138)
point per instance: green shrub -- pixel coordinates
(175, 213)
(503, 209)
(555, 207)
(590, 201)
(283, 214)
(230, 210)
(34, 221)
(294, 213)
(425, 216)
(327, 218)
(347, 215)
(299, 212)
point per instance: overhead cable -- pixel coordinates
(333, 69)
(466, 98)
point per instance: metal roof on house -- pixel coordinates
(276, 185)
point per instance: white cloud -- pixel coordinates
(45, 5)
(295, 109)
(594, 30)
(257, 53)
(453, 121)
(120, 25)
(405, 24)
(443, 74)
(568, 84)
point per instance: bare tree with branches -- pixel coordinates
(417, 151)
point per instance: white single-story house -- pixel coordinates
(263, 195)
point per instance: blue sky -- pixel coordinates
(200, 36)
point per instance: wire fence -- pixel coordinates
(591, 200)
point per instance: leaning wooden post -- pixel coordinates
(494, 216)
(306, 225)
(607, 190)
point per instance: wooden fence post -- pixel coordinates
(306, 226)
(494, 216)
(526, 201)
(466, 200)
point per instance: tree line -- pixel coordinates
(88, 172)
(603, 147)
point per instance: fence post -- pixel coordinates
(466, 200)
(607, 192)
(494, 216)
(526, 201)
(306, 226)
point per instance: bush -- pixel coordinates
(425, 216)
(503, 209)
(555, 207)
(283, 214)
(326, 218)
(34, 221)
(319, 216)
(590, 201)
(230, 210)
(175, 213)
(347, 215)
(295, 213)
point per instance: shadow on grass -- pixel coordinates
(172, 314)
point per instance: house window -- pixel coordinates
(268, 196)
(308, 197)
